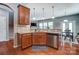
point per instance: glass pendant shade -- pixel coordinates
(34, 14)
(53, 12)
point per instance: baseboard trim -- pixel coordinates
(4, 40)
(15, 46)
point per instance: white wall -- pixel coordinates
(4, 25)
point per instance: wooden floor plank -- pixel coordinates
(6, 48)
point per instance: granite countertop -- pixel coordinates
(23, 32)
(38, 32)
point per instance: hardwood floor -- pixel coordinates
(6, 48)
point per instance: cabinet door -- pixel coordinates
(19, 40)
(35, 39)
(39, 39)
(21, 13)
(26, 40)
(27, 15)
(29, 39)
(42, 39)
(55, 41)
(50, 41)
(24, 14)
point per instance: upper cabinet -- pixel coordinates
(23, 15)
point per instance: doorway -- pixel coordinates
(11, 25)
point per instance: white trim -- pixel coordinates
(15, 46)
(4, 40)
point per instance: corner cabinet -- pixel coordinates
(23, 15)
(24, 40)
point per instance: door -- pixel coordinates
(50, 40)
(3, 28)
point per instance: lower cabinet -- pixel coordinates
(26, 40)
(50, 40)
(39, 39)
(19, 36)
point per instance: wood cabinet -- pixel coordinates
(39, 38)
(25, 40)
(53, 40)
(23, 15)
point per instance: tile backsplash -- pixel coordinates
(27, 29)
(23, 29)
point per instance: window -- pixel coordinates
(41, 25)
(64, 27)
(45, 25)
(70, 26)
(50, 25)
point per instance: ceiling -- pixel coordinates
(59, 9)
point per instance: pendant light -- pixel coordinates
(43, 13)
(53, 12)
(65, 15)
(34, 14)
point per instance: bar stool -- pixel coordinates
(67, 37)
